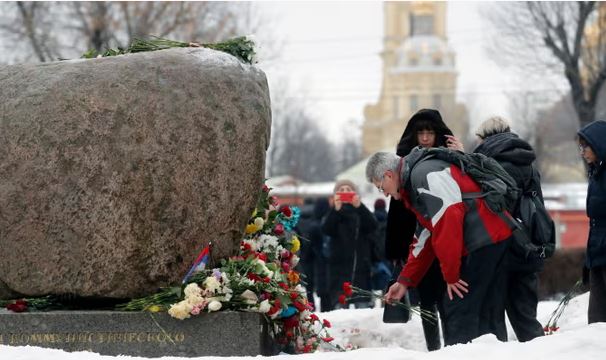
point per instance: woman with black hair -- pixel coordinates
(425, 128)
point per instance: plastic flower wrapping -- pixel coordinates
(261, 278)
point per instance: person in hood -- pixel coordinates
(425, 128)
(592, 145)
(467, 238)
(351, 227)
(517, 157)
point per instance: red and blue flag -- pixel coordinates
(199, 264)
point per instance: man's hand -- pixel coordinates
(395, 292)
(458, 288)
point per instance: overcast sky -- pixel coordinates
(331, 57)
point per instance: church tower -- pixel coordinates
(418, 72)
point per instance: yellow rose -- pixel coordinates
(296, 244)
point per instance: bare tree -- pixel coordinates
(67, 29)
(566, 39)
(298, 146)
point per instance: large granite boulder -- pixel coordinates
(115, 172)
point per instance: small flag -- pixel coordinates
(199, 264)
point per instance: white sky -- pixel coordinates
(331, 57)
(364, 330)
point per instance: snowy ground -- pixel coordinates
(575, 340)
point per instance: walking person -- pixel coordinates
(351, 227)
(425, 128)
(593, 149)
(517, 157)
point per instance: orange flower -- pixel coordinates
(293, 277)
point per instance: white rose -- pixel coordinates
(192, 290)
(214, 306)
(249, 297)
(264, 306)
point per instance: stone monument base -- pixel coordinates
(225, 333)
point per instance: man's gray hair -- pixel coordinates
(492, 126)
(379, 163)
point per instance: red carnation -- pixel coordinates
(326, 323)
(279, 229)
(294, 295)
(265, 188)
(262, 256)
(266, 280)
(314, 317)
(299, 306)
(342, 299)
(283, 285)
(253, 277)
(347, 289)
(286, 211)
(328, 339)
(307, 348)
(17, 306)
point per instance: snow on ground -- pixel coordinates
(575, 340)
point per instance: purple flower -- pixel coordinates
(217, 274)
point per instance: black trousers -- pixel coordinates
(431, 291)
(521, 304)
(597, 295)
(482, 310)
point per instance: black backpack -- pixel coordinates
(537, 224)
(499, 189)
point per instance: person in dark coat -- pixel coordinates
(351, 227)
(319, 241)
(517, 157)
(593, 150)
(425, 128)
(381, 268)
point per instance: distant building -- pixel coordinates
(418, 72)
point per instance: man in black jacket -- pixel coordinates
(516, 156)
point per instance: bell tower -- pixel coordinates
(418, 72)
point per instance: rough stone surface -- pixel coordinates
(115, 172)
(140, 334)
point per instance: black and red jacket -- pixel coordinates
(449, 227)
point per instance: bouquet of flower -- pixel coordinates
(260, 278)
(351, 292)
(242, 47)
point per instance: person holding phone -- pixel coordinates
(351, 227)
(427, 129)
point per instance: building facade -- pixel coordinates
(418, 72)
